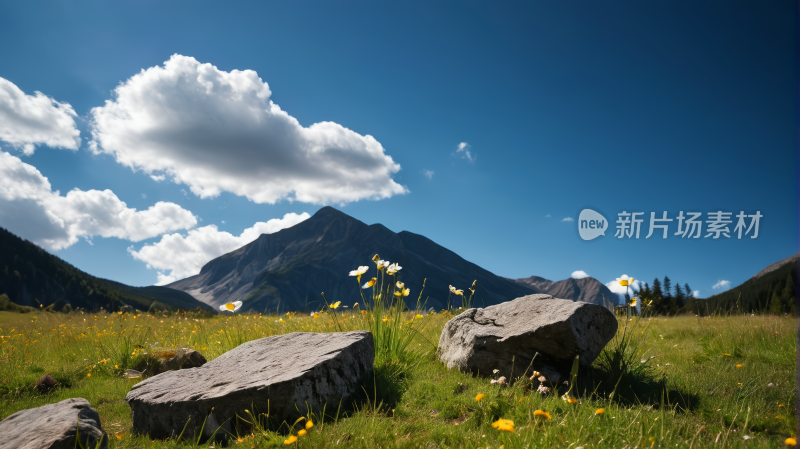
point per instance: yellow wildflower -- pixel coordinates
(309, 424)
(791, 442)
(370, 283)
(479, 396)
(335, 305)
(739, 366)
(600, 411)
(504, 424)
(302, 432)
(541, 413)
(290, 440)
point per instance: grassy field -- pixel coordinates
(692, 382)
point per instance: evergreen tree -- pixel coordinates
(657, 297)
(787, 294)
(775, 305)
(667, 288)
(679, 298)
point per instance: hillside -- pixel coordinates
(289, 269)
(771, 289)
(31, 276)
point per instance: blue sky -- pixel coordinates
(631, 106)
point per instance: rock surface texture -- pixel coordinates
(499, 336)
(53, 426)
(286, 376)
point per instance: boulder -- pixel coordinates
(170, 360)
(285, 376)
(53, 426)
(511, 333)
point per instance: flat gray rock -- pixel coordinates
(499, 336)
(53, 426)
(284, 375)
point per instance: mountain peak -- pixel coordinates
(289, 268)
(586, 289)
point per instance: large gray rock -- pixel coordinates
(53, 426)
(499, 336)
(286, 376)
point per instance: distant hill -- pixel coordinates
(290, 268)
(587, 289)
(771, 289)
(31, 276)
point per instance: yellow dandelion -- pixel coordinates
(479, 396)
(316, 315)
(791, 442)
(504, 424)
(89, 375)
(739, 366)
(599, 411)
(541, 413)
(290, 440)
(302, 433)
(309, 424)
(385, 319)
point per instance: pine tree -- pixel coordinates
(657, 297)
(667, 288)
(679, 299)
(787, 295)
(775, 305)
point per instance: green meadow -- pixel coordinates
(685, 381)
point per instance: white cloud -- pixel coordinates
(428, 173)
(547, 216)
(567, 219)
(144, 196)
(721, 284)
(219, 131)
(177, 257)
(696, 293)
(31, 209)
(463, 147)
(620, 290)
(30, 120)
(580, 274)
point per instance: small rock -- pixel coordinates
(287, 376)
(126, 309)
(45, 384)
(171, 360)
(510, 333)
(54, 426)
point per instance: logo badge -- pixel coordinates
(591, 224)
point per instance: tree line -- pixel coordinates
(771, 293)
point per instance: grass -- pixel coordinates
(689, 392)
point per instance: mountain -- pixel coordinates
(289, 269)
(31, 276)
(771, 289)
(777, 265)
(587, 289)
